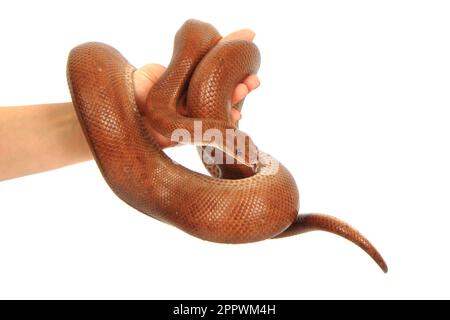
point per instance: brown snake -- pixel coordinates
(249, 200)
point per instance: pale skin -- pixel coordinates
(48, 136)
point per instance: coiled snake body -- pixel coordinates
(249, 200)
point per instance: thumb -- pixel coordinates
(144, 78)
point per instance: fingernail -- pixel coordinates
(253, 34)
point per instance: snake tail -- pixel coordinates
(322, 222)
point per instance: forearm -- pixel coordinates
(39, 138)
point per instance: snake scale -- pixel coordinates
(246, 200)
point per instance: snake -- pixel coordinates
(243, 199)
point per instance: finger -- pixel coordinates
(252, 82)
(243, 34)
(143, 79)
(239, 93)
(161, 140)
(235, 115)
(152, 71)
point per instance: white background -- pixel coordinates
(354, 100)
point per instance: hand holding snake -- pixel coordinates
(253, 198)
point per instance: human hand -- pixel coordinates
(146, 76)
